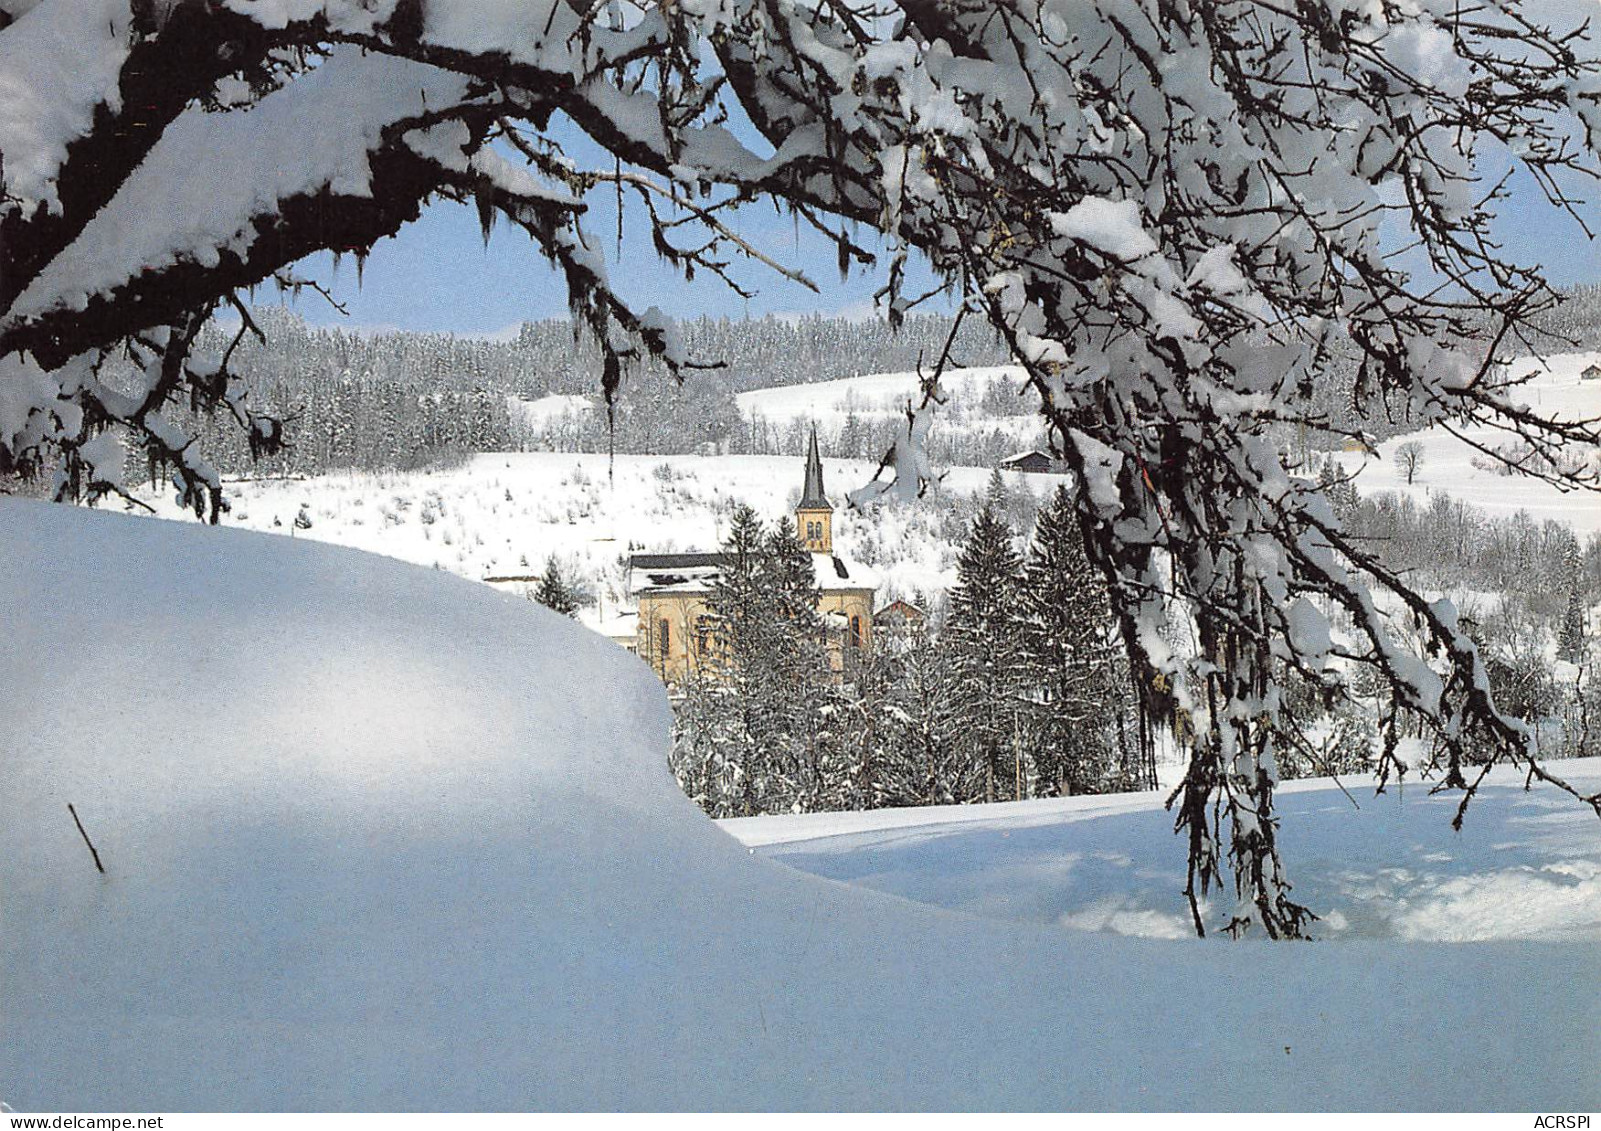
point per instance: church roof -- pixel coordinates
(695, 573)
(674, 561)
(812, 497)
(658, 573)
(835, 572)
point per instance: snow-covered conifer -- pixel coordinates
(1572, 640)
(1080, 717)
(553, 590)
(985, 636)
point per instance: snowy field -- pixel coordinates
(543, 411)
(1525, 865)
(502, 515)
(1454, 466)
(379, 838)
(883, 396)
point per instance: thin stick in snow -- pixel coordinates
(86, 840)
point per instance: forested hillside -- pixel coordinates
(401, 400)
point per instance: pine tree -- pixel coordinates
(985, 637)
(738, 605)
(997, 498)
(750, 709)
(553, 590)
(708, 755)
(1338, 489)
(850, 444)
(794, 580)
(928, 762)
(806, 703)
(1073, 654)
(1571, 645)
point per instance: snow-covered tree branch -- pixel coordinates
(1172, 212)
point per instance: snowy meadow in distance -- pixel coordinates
(503, 514)
(1454, 461)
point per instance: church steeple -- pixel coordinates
(812, 497)
(814, 517)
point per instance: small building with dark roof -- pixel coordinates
(1033, 461)
(900, 617)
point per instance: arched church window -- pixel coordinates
(856, 632)
(664, 639)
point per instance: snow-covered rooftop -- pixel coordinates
(697, 572)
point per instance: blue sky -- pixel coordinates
(438, 275)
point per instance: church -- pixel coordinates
(670, 591)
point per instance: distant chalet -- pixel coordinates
(1033, 461)
(901, 617)
(674, 627)
(1591, 373)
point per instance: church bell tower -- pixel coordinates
(814, 517)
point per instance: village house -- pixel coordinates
(1033, 461)
(901, 618)
(670, 592)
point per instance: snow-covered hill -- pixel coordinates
(1457, 465)
(1451, 464)
(378, 838)
(502, 515)
(536, 414)
(883, 396)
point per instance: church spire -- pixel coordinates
(814, 517)
(812, 497)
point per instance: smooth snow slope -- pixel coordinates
(879, 396)
(1453, 466)
(377, 837)
(1526, 865)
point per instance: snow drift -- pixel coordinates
(377, 837)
